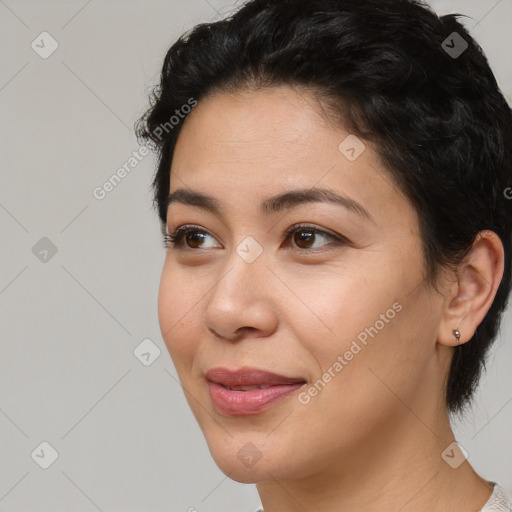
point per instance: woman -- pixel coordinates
(332, 185)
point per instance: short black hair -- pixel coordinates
(394, 73)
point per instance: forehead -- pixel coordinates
(264, 125)
(251, 145)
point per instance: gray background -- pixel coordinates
(125, 437)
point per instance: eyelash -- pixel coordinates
(176, 238)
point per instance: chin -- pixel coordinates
(260, 472)
(241, 459)
(242, 475)
(252, 459)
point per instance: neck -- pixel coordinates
(400, 469)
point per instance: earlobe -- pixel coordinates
(453, 337)
(472, 294)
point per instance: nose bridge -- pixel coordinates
(246, 267)
(241, 297)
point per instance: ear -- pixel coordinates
(472, 292)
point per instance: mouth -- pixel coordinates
(247, 378)
(241, 388)
(248, 390)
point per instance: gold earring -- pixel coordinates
(456, 333)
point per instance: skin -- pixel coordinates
(373, 437)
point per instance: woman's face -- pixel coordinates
(345, 309)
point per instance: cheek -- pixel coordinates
(333, 308)
(365, 321)
(178, 313)
(381, 352)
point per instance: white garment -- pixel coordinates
(499, 501)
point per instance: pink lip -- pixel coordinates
(241, 402)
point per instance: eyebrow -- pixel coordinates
(290, 199)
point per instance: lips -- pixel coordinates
(250, 378)
(248, 390)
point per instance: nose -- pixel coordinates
(241, 304)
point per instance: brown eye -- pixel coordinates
(192, 235)
(194, 239)
(305, 237)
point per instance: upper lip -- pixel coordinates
(247, 376)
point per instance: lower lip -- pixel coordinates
(252, 401)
